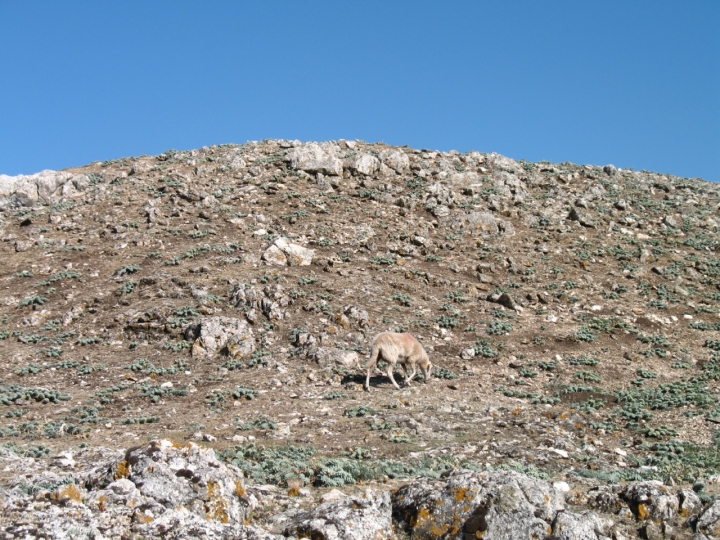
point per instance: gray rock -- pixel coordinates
(28, 190)
(316, 157)
(396, 159)
(670, 221)
(610, 170)
(185, 476)
(651, 500)
(296, 255)
(274, 255)
(709, 521)
(582, 217)
(482, 223)
(358, 517)
(492, 505)
(585, 526)
(331, 356)
(468, 354)
(690, 503)
(366, 164)
(213, 335)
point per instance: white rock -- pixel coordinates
(296, 255)
(395, 159)
(468, 353)
(366, 164)
(316, 157)
(620, 452)
(564, 487)
(273, 255)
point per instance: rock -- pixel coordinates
(358, 517)
(23, 245)
(582, 217)
(651, 500)
(585, 526)
(610, 170)
(491, 505)
(360, 316)
(395, 159)
(329, 356)
(140, 167)
(32, 189)
(468, 354)
(670, 221)
(333, 495)
(296, 254)
(709, 520)
(316, 157)
(690, 503)
(482, 223)
(214, 335)
(366, 164)
(273, 255)
(184, 475)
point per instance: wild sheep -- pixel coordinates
(398, 348)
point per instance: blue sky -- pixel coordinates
(636, 84)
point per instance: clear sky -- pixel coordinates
(634, 83)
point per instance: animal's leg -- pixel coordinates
(390, 374)
(410, 378)
(370, 365)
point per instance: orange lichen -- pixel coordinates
(460, 494)
(240, 489)
(122, 470)
(216, 506)
(642, 511)
(67, 491)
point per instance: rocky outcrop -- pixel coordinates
(214, 335)
(45, 187)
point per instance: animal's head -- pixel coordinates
(426, 367)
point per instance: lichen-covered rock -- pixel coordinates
(492, 505)
(709, 521)
(359, 517)
(651, 500)
(316, 157)
(213, 335)
(185, 476)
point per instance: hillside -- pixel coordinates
(228, 296)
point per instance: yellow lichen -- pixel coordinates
(216, 506)
(642, 511)
(240, 489)
(460, 494)
(68, 491)
(122, 470)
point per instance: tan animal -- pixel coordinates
(397, 348)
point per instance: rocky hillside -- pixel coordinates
(228, 296)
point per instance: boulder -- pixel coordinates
(585, 526)
(331, 356)
(296, 255)
(395, 159)
(32, 189)
(651, 500)
(366, 164)
(358, 517)
(213, 335)
(492, 505)
(273, 255)
(316, 157)
(708, 522)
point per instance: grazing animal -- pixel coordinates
(397, 348)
